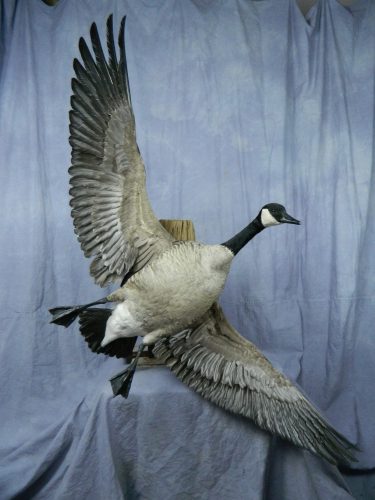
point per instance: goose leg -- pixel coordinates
(122, 382)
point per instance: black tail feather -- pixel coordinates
(92, 323)
(92, 326)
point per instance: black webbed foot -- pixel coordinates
(122, 382)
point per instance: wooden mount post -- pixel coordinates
(179, 229)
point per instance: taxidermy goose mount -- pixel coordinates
(168, 288)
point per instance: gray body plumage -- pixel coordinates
(168, 288)
(171, 293)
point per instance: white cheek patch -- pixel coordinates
(268, 219)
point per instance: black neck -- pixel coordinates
(240, 239)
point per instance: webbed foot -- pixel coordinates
(122, 382)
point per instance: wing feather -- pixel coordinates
(112, 215)
(223, 367)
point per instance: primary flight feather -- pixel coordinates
(168, 288)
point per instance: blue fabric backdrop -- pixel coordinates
(237, 103)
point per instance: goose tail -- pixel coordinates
(92, 325)
(65, 315)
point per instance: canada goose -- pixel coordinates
(168, 287)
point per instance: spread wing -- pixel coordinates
(110, 208)
(228, 370)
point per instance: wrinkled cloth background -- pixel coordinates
(237, 104)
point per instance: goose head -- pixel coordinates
(271, 214)
(274, 214)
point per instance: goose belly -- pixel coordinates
(177, 288)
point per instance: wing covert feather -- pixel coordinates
(112, 216)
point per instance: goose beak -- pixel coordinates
(289, 219)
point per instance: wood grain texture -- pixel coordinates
(182, 230)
